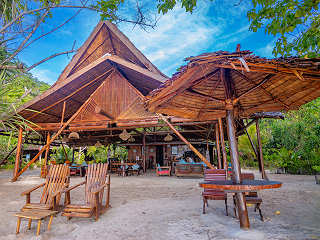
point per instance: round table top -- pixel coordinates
(246, 185)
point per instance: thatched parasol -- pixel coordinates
(222, 84)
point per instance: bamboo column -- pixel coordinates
(144, 152)
(236, 170)
(223, 145)
(186, 142)
(44, 171)
(218, 146)
(18, 154)
(260, 158)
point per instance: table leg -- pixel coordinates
(242, 211)
(39, 225)
(50, 221)
(18, 225)
(29, 223)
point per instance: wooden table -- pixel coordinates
(35, 215)
(245, 186)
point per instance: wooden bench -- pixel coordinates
(35, 215)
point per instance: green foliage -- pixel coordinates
(294, 144)
(316, 168)
(297, 22)
(100, 154)
(108, 9)
(165, 5)
(59, 154)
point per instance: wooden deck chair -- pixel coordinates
(56, 180)
(251, 197)
(212, 194)
(94, 188)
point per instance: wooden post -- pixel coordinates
(44, 165)
(260, 158)
(144, 152)
(236, 170)
(186, 142)
(223, 145)
(218, 146)
(18, 154)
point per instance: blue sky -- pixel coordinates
(214, 25)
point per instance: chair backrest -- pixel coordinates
(215, 174)
(57, 178)
(249, 176)
(95, 178)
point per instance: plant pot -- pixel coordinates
(53, 162)
(67, 162)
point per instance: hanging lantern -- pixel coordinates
(131, 139)
(74, 135)
(98, 144)
(168, 138)
(124, 135)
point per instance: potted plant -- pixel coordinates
(317, 171)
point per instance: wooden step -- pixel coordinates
(77, 210)
(73, 214)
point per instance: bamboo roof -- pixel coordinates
(212, 82)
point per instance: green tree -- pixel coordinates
(296, 22)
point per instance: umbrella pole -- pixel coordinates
(236, 170)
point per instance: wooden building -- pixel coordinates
(99, 96)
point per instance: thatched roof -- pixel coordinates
(108, 58)
(198, 90)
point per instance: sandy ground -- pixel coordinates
(150, 207)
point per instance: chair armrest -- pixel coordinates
(32, 189)
(99, 189)
(71, 188)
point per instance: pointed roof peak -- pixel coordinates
(106, 39)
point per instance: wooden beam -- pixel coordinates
(4, 160)
(67, 97)
(18, 154)
(218, 146)
(223, 145)
(56, 135)
(275, 99)
(63, 111)
(236, 170)
(252, 144)
(260, 158)
(186, 142)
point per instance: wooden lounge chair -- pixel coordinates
(95, 185)
(212, 194)
(251, 197)
(163, 170)
(56, 180)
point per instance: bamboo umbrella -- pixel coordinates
(236, 85)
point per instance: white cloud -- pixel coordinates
(177, 35)
(267, 50)
(44, 75)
